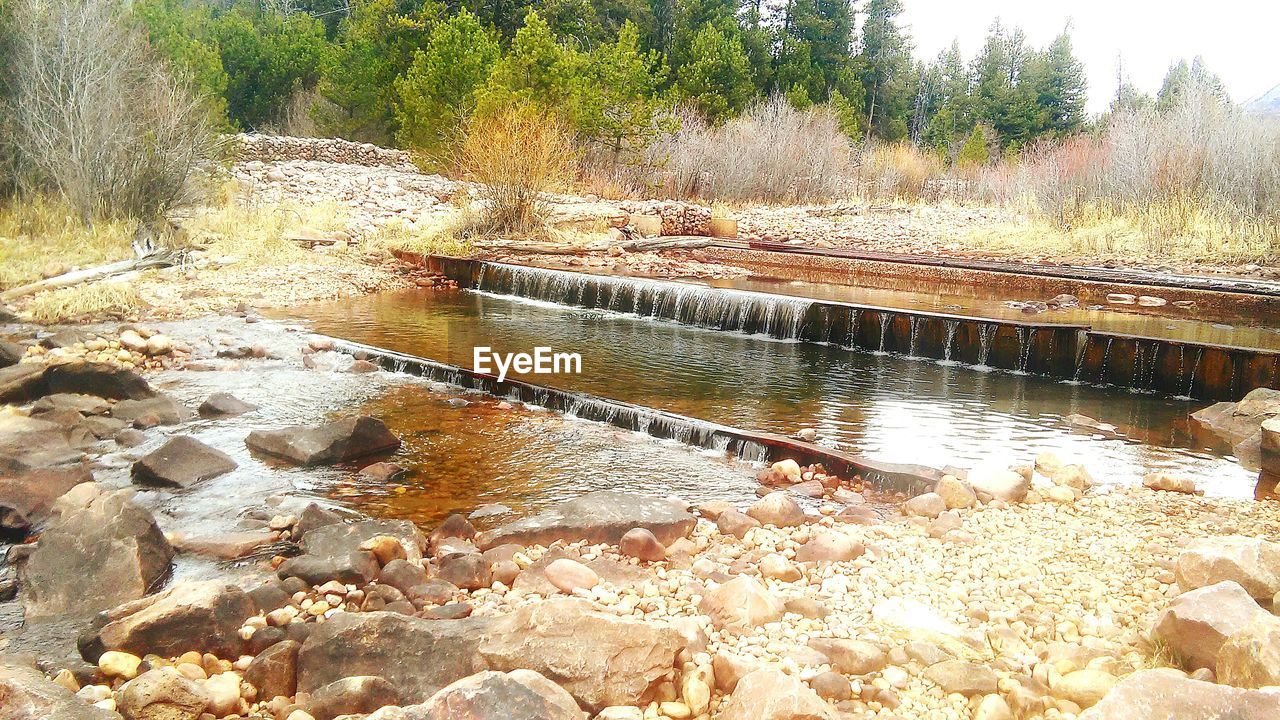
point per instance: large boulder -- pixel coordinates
(162, 694)
(150, 412)
(777, 509)
(22, 382)
(11, 353)
(416, 656)
(30, 443)
(1240, 423)
(100, 549)
(600, 659)
(1253, 563)
(181, 462)
(333, 551)
(1169, 695)
(99, 379)
(274, 672)
(27, 499)
(1250, 658)
(1196, 624)
(598, 517)
(773, 695)
(996, 484)
(205, 616)
(26, 694)
(333, 442)
(743, 602)
(517, 695)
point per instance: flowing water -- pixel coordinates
(884, 406)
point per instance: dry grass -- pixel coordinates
(442, 238)
(898, 172)
(260, 234)
(93, 301)
(517, 154)
(40, 232)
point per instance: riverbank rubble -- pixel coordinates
(1033, 592)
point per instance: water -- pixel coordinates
(884, 406)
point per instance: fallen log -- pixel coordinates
(163, 258)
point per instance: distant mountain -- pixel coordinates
(1268, 104)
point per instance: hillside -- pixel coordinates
(1267, 104)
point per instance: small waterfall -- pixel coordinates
(884, 329)
(915, 335)
(951, 326)
(1106, 357)
(1195, 367)
(1026, 341)
(986, 332)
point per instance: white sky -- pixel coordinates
(1238, 38)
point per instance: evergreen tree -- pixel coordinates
(438, 90)
(848, 113)
(950, 118)
(885, 63)
(718, 79)
(821, 31)
(537, 70)
(1060, 88)
(183, 35)
(974, 153)
(1182, 79)
(268, 58)
(615, 103)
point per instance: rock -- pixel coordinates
(192, 615)
(1084, 687)
(809, 489)
(993, 707)
(1239, 424)
(22, 382)
(116, 664)
(223, 546)
(1170, 483)
(603, 516)
(807, 607)
(741, 602)
(99, 379)
(641, 544)
(1254, 563)
(771, 695)
(955, 492)
(600, 659)
(26, 694)
(788, 468)
(383, 472)
(1250, 658)
(334, 442)
(402, 575)
(181, 462)
(1196, 624)
(351, 696)
(333, 551)
(732, 522)
(831, 686)
(83, 404)
(965, 678)
(161, 694)
(517, 695)
(1167, 695)
(620, 712)
(929, 505)
(10, 353)
(776, 567)
(1004, 485)
(393, 646)
(385, 548)
(158, 345)
(150, 412)
(222, 693)
(469, 571)
(859, 515)
(98, 550)
(570, 575)
(829, 546)
(221, 404)
(27, 499)
(851, 657)
(275, 670)
(777, 509)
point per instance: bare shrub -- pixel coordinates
(516, 154)
(898, 171)
(94, 117)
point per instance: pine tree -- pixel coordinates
(615, 103)
(537, 70)
(1060, 88)
(718, 79)
(268, 58)
(439, 89)
(974, 153)
(848, 113)
(885, 63)
(1182, 79)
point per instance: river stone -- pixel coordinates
(22, 382)
(956, 493)
(1240, 423)
(1084, 687)
(998, 484)
(274, 672)
(778, 510)
(732, 522)
(29, 444)
(929, 505)
(469, 571)
(182, 461)
(351, 696)
(26, 694)
(99, 549)
(223, 546)
(569, 575)
(829, 546)
(965, 678)
(641, 544)
(27, 499)
(1250, 658)
(600, 659)
(11, 353)
(772, 695)
(1196, 624)
(741, 602)
(99, 379)
(1168, 695)
(339, 539)
(851, 657)
(83, 404)
(603, 516)
(489, 695)
(1254, 563)
(221, 404)
(334, 442)
(205, 616)
(161, 694)
(150, 412)
(417, 656)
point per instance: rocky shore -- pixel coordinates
(1037, 592)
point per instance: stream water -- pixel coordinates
(884, 406)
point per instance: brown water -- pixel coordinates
(886, 407)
